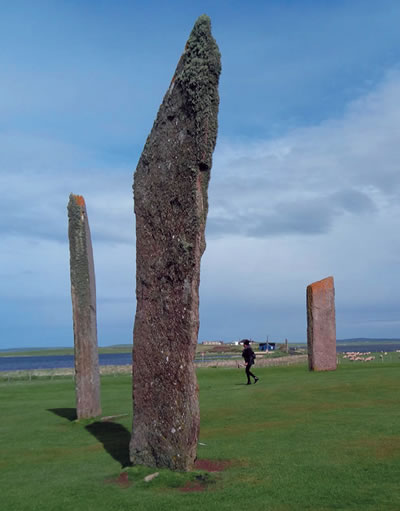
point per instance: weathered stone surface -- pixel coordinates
(83, 293)
(321, 325)
(170, 191)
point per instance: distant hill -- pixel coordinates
(114, 346)
(56, 348)
(368, 339)
(4, 350)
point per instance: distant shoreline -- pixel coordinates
(127, 348)
(42, 361)
(127, 369)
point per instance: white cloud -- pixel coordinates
(37, 176)
(309, 179)
(322, 200)
(319, 201)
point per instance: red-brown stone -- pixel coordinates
(170, 191)
(83, 294)
(321, 325)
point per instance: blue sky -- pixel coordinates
(305, 181)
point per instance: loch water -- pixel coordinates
(58, 361)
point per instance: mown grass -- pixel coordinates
(295, 441)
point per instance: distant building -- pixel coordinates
(212, 343)
(267, 346)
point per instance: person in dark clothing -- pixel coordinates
(249, 357)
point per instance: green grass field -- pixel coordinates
(295, 441)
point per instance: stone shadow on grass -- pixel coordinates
(65, 413)
(115, 439)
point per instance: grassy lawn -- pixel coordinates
(295, 441)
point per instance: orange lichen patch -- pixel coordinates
(212, 465)
(322, 285)
(79, 200)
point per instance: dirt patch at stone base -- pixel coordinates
(211, 465)
(192, 486)
(122, 480)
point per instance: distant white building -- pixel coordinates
(212, 343)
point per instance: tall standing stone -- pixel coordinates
(83, 293)
(321, 325)
(170, 191)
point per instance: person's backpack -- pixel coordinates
(253, 358)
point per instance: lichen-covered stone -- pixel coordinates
(170, 192)
(321, 325)
(83, 293)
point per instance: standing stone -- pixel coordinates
(83, 293)
(321, 325)
(170, 191)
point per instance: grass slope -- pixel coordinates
(296, 441)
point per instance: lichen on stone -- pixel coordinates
(78, 251)
(199, 76)
(170, 194)
(83, 294)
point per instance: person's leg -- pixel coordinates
(251, 374)
(248, 374)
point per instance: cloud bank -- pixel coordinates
(320, 200)
(313, 177)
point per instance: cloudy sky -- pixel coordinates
(306, 175)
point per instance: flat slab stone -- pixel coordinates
(83, 294)
(170, 191)
(321, 325)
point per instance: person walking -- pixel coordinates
(249, 357)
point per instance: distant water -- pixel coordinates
(66, 361)
(59, 361)
(119, 359)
